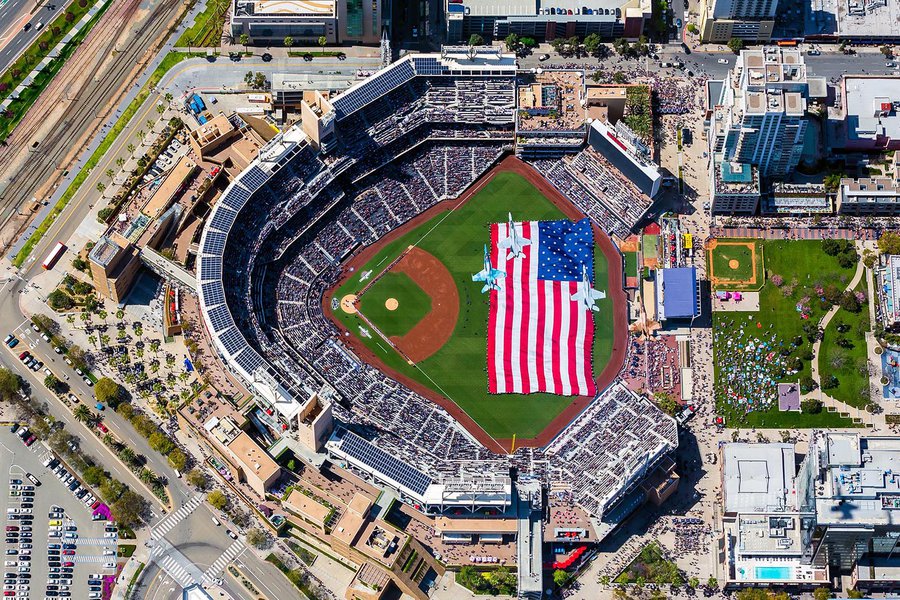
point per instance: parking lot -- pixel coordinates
(52, 547)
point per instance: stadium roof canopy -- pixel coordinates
(678, 296)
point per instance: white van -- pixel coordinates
(216, 521)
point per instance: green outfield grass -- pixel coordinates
(413, 302)
(458, 370)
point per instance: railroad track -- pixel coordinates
(82, 119)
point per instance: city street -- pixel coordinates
(14, 15)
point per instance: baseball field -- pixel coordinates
(412, 304)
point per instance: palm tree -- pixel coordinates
(288, 42)
(100, 187)
(82, 413)
(110, 173)
(131, 148)
(244, 40)
(322, 41)
(169, 97)
(150, 124)
(92, 339)
(141, 135)
(160, 108)
(127, 455)
(120, 162)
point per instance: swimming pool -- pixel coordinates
(774, 573)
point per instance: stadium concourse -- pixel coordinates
(417, 132)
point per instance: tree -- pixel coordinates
(476, 40)
(850, 303)
(821, 593)
(197, 478)
(592, 43)
(9, 385)
(810, 406)
(177, 459)
(159, 442)
(887, 51)
(93, 475)
(131, 148)
(692, 28)
(82, 413)
(889, 242)
(257, 538)
(666, 402)
(735, 44)
(528, 42)
(248, 78)
(51, 382)
(471, 579)
(45, 323)
(642, 46)
(108, 391)
(622, 47)
(112, 489)
(832, 181)
(560, 577)
(59, 300)
(712, 583)
(259, 81)
(129, 508)
(619, 77)
(512, 42)
(217, 500)
(322, 41)
(244, 39)
(288, 41)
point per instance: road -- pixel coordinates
(14, 15)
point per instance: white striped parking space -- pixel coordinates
(173, 519)
(215, 570)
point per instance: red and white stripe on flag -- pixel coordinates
(539, 339)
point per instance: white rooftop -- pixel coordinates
(864, 97)
(759, 478)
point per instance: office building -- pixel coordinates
(735, 187)
(749, 20)
(338, 21)
(545, 21)
(759, 116)
(870, 120)
(114, 267)
(853, 483)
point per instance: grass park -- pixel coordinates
(206, 32)
(412, 303)
(843, 357)
(801, 284)
(458, 370)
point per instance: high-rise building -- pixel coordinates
(751, 20)
(338, 21)
(760, 116)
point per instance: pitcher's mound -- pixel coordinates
(733, 264)
(391, 304)
(348, 303)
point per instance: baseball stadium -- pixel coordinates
(337, 269)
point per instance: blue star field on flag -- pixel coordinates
(565, 246)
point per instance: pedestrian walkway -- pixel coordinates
(94, 541)
(173, 519)
(93, 559)
(797, 233)
(215, 571)
(178, 571)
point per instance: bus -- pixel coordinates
(787, 43)
(54, 255)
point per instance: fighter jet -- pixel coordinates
(488, 274)
(514, 241)
(587, 294)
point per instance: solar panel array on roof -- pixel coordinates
(213, 293)
(253, 178)
(210, 267)
(382, 462)
(220, 318)
(215, 243)
(232, 340)
(236, 197)
(428, 66)
(373, 88)
(249, 360)
(223, 219)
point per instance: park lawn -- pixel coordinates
(206, 32)
(651, 567)
(849, 365)
(458, 370)
(413, 302)
(803, 265)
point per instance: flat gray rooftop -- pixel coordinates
(863, 96)
(759, 478)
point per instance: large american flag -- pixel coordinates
(539, 340)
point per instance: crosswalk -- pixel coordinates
(96, 558)
(111, 542)
(173, 519)
(215, 570)
(177, 571)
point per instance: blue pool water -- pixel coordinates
(773, 573)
